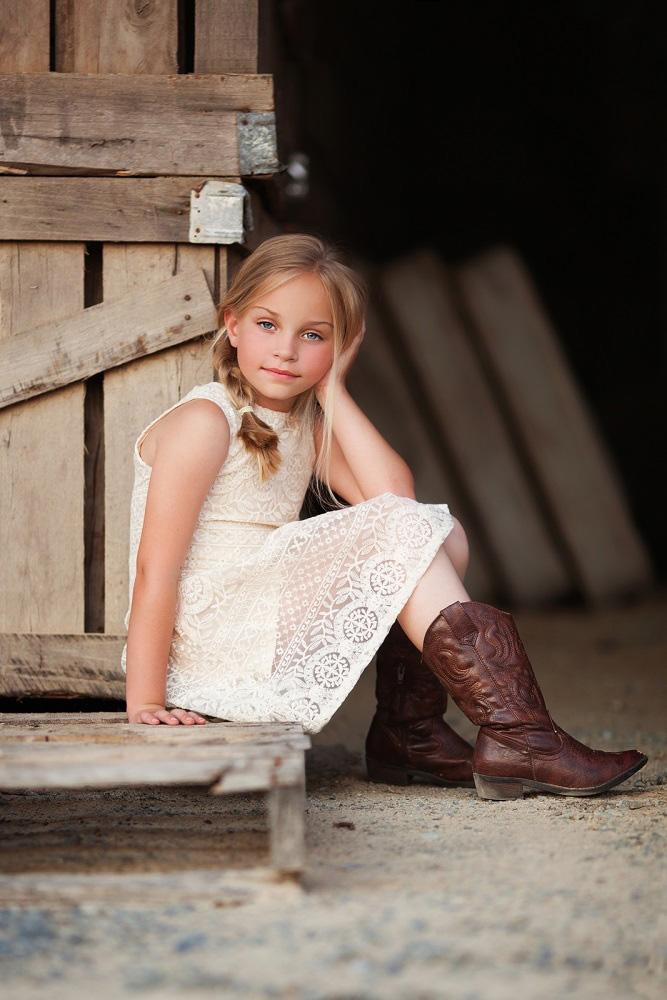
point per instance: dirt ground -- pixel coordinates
(408, 892)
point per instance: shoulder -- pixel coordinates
(216, 393)
(195, 432)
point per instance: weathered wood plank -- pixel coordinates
(152, 124)
(53, 765)
(286, 814)
(417, 289)
(212, 886)
(116, 37)
(568, 454)
(41, 457)
(133, 210)
(24, 39)
(226, 36)
(61, 666)
(57, 353)
(113, 727)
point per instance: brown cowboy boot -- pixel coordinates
(408, 738)
(475, 650)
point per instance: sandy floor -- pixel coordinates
(417, 892)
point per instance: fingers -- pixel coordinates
(186, 717)
(175, 717)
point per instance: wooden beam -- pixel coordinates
(115, 210)
(61, 666)
(211, 887)
(94, 37)
(112, 333)
(226, 36)
(24, 39)
(418, 289)
(142, 124)
(557, 430)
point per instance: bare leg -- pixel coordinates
(441, 585)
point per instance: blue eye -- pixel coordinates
(260, 321)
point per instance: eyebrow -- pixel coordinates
(311, 322)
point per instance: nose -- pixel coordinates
(285, 347)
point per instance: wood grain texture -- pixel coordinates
(133, 210)
(96, 339)
(105, 36)
(41, 450)
(226, 36)
(61, 665)
(103, 750)
(24, 39)
(169, 124)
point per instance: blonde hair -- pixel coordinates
(273, 263)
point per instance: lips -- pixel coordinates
(280, 371)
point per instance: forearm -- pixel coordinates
(149, 636)
(375, 465)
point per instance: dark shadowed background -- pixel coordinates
(464, 125)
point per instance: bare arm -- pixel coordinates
(362, 456)
(188, 456)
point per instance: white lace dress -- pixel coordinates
(277, 617)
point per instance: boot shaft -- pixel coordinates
(477, 653)
(405, 689)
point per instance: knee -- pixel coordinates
(457, 548)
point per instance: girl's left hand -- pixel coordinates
(345, 363)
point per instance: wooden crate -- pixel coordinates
(78, 750)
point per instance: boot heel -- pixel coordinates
(498, 788)
(386, 773)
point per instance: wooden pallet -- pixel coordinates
(102, 750)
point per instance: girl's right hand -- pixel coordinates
(153, 715)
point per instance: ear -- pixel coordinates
(231, 325)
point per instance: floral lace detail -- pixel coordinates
(276, 617)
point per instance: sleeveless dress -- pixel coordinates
(277, 617)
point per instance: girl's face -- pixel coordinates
(290, 329)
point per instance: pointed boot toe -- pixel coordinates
(477, 653)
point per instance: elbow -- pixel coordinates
(403, 484)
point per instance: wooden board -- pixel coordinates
(116, 37)
(96, 339)
(555, 426)
(24, 39)
(41, 500)
(41, 458)
(90, 891)
(113, 209)
(226, 36)
(103, 750)
(61, 666)
(152, 124)
(525, 555)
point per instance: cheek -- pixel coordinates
(319, 362)
(250, 344)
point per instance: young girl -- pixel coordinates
(241, 611)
